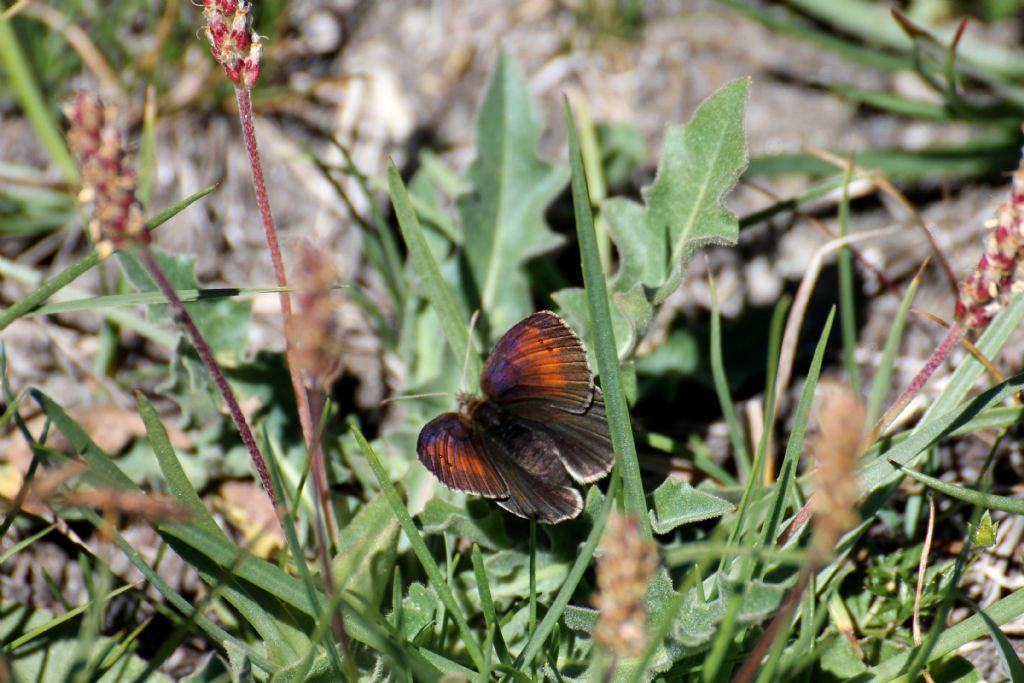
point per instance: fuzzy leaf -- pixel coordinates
(503, 214)
(419, 609)
(366, 552)
(700, 163)
(682, 212)
(641, 242)
(677, 503)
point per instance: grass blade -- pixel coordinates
(739, 446)
(787, 473)
(881, 384)
(37, 111)
(980, 498)
(71, 273)
(572, 580)
(437, 578)
(436, 290)
(627, 464)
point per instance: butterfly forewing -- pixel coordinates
(540, 359)
(453, 452)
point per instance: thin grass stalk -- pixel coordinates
(787, 473)
(847, 311)
(922, 569)
(740, 453)
(801, 301)
(881, 382)
(487, 605)
(307, 581)
(203, 349)
(572, 580)
(419, 547)
(533, 576)
(245, 114)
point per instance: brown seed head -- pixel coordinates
(45, 490)
(837, 449)
(316, 337)
(107, 180)
(627, 563)
(156, 507)
(232, 42)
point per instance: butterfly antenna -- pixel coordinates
(469, 347)
(393, 399)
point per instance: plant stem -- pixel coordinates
(181, 313)
(245, 115)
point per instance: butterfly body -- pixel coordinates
(539, 426)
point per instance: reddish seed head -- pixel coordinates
(232, 42)
(985, 291)
(107, 180)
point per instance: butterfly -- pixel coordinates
(539, 426)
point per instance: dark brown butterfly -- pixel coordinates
(539, 426)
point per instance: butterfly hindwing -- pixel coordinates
(583, 443)
(452, 451)
(540, 359)
(532, 498)
(538, 485)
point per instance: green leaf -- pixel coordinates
(436, 290)
(366, 552)
(573, 302)
(503, 213)
(582, 619)
(419, 610)
(487, 531)
(839, 658)
(178, 483)
(985, 532)
(676, 503)
(152, 298)
(1011, 661)
(55, 649)
(683, 211)
(508, 571)
(698, 620)
(700, 163)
